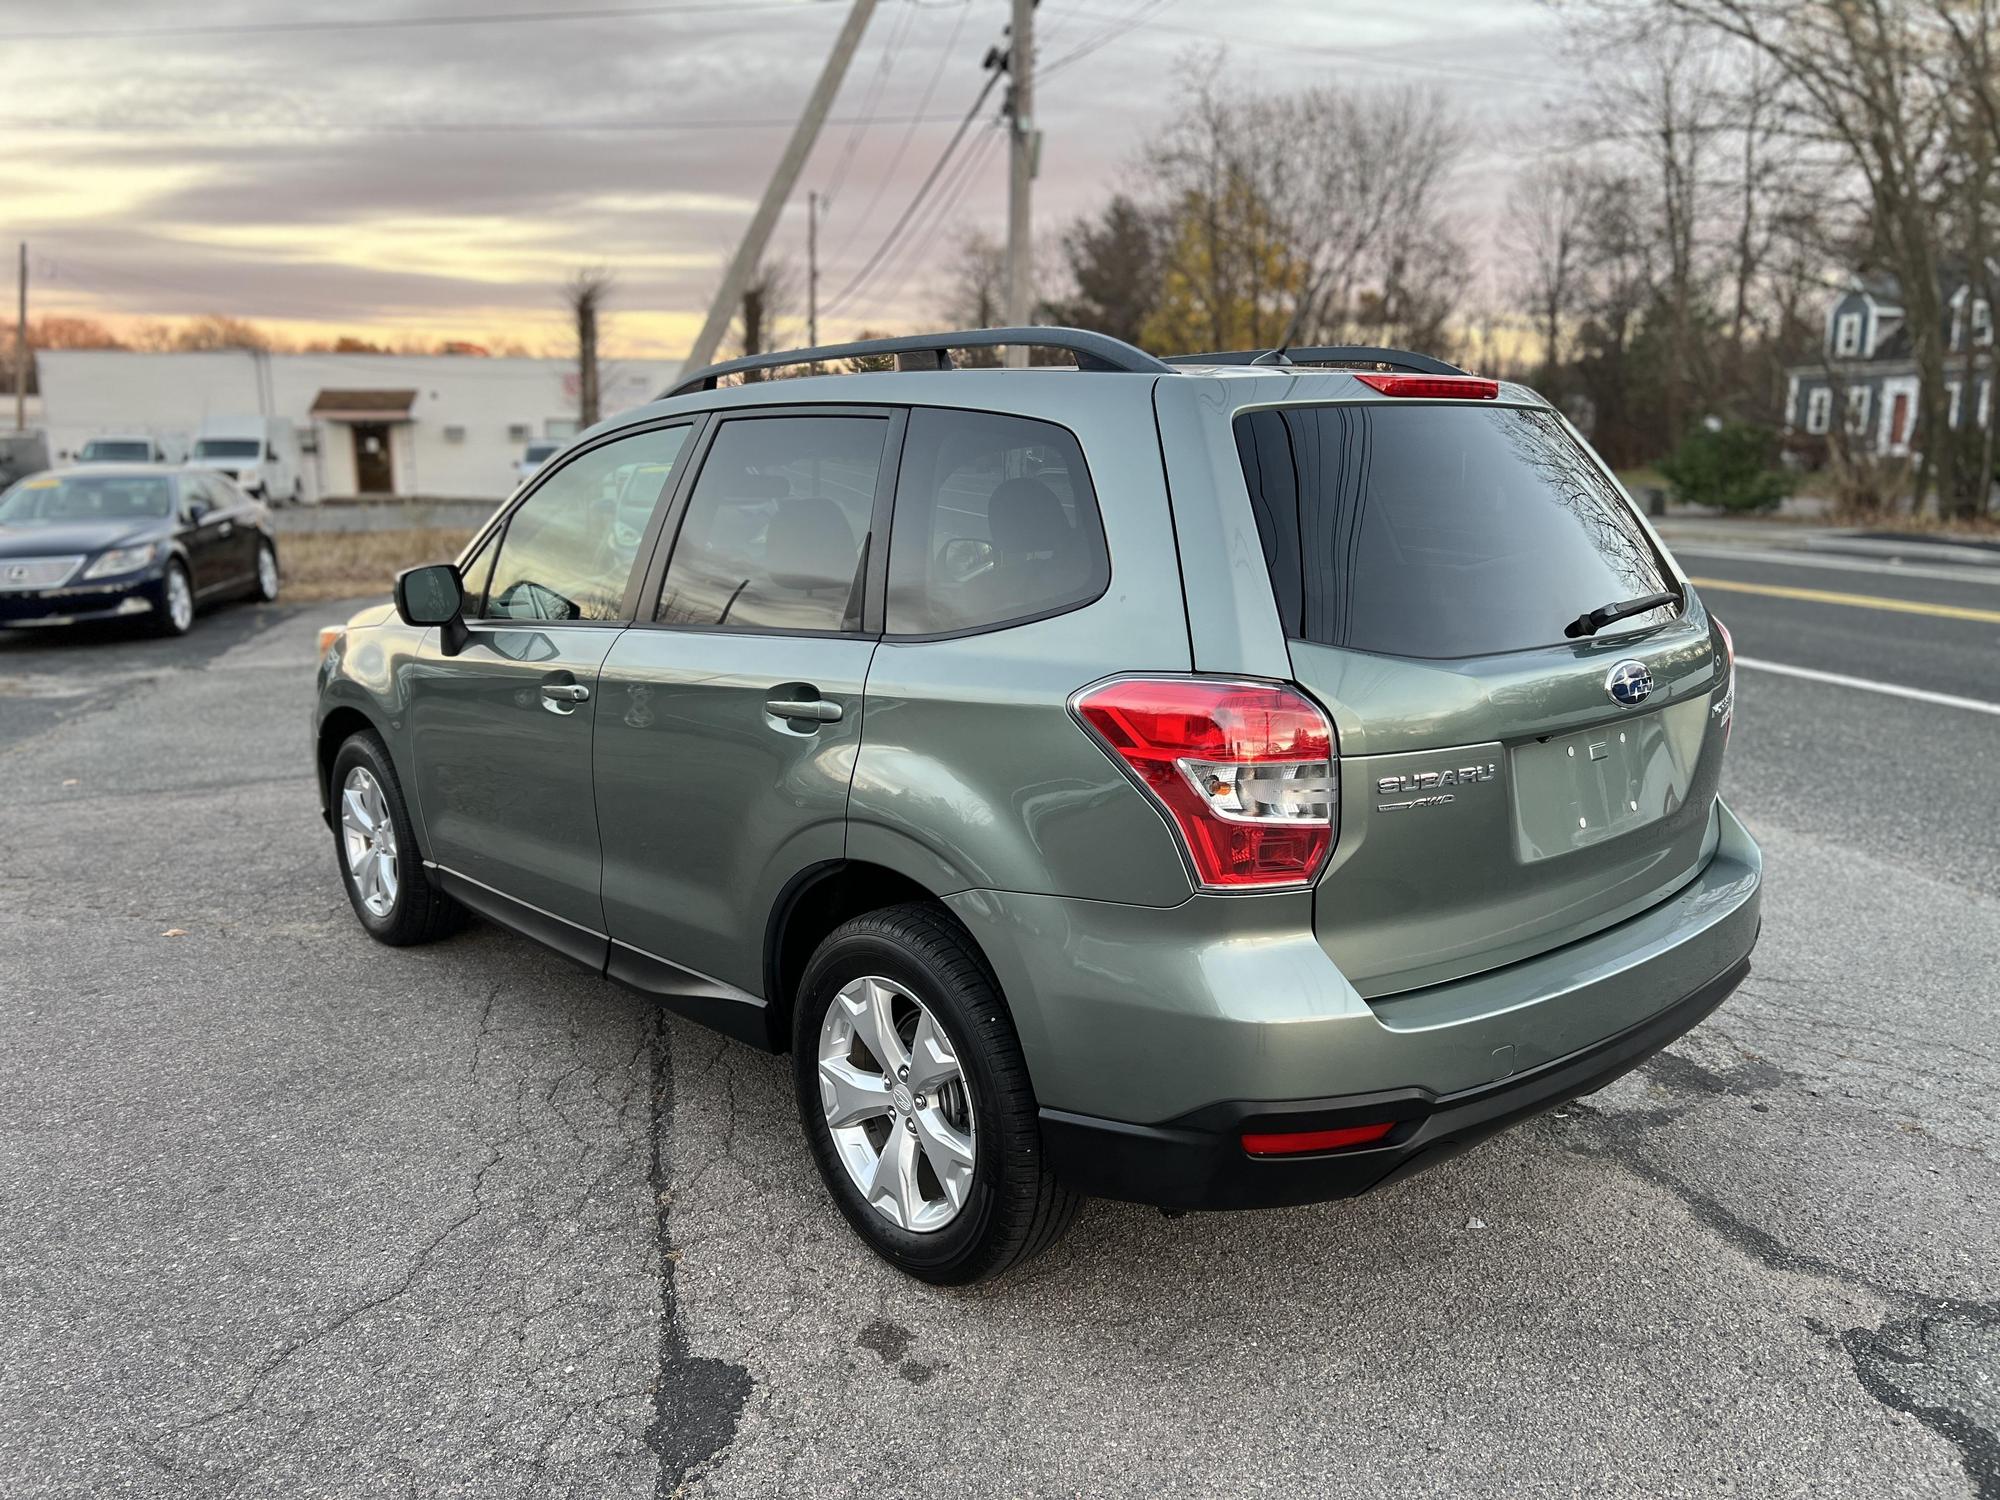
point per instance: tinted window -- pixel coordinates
(569, 547)
(995, 521)
(97, 450)
(1438, 530)
(774, 530)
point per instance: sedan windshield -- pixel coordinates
(46, 498)
(228, 448)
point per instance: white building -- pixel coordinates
(440, 426)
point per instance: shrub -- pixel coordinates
(1866, 487)
(1733, 466)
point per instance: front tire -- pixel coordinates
(915, 1099)
(267, 573)
(393, 895)
(173, 607)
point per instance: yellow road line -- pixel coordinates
(1855, 601)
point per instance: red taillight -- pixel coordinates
(1245, 770)
(1436, 387)
(1299, 1142)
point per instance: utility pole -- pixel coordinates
(812, 270)
(783, 180)
(1023, 149)
(21, 346)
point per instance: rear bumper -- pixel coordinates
(1156, 1036)
(1198, 1161)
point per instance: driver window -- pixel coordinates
(569, 547)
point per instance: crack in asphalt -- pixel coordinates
(1912, 1364)
(697, 1401)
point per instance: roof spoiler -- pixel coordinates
(932, 351)
(1358, 355)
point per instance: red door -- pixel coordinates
(1899, 420)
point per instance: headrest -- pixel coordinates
(1026, 519)
(810, 545)
(749, 485)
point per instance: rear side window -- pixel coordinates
(1438, 531)
(995, 522)
(774, 532)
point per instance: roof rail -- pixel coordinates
(1329, 354)
(932, 351)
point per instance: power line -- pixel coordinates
(873, 99)
(1140, 13)
(949, 197)
(903, 145)
(992, 78)
(407, 23)
(454, 127)
(1352, 54)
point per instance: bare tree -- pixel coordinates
(767, 298)
(1547, 220)
(1862, 79)
(585, 295)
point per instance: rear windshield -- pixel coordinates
(98, 450)
(1438, 531)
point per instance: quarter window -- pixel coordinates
(775, 529)
(568, 550)
(995, 522)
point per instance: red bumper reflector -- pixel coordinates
(1434, 387)
(1299, 1142)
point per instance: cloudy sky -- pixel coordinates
(427, 168)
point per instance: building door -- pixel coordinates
(373, 472)
(1899, 420)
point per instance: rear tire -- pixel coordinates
(936, 992)
(396, 899)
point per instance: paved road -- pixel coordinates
(282, 1212)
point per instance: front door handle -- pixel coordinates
(562, 697)
(819, 710)
(228, 529)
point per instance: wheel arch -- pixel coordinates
(816, 901)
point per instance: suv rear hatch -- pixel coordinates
(1498, 797)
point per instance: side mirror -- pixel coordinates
(433, 595)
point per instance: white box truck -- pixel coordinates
(260, 453)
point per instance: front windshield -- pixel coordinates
(227, 448)
(47, 498)
(100, 451)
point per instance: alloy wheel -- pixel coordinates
(369, 835)
(897, 1104)
(180, 600)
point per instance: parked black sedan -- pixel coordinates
(99, 541)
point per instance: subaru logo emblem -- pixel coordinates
(1629, 683)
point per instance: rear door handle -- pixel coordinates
(819, 710)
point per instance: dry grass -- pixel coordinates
(347, 564)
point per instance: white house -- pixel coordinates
(442, 426)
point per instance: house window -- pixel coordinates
(1982, 323)
(517, 432)
(454, 434)
(1819, 409)
(1857, 411)
(1847, 334)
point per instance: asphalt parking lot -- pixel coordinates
(290, 1213)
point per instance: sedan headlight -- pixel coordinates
(122, 560)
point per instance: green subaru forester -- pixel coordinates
(1218, 783)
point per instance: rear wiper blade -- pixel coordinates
(1595, 620)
